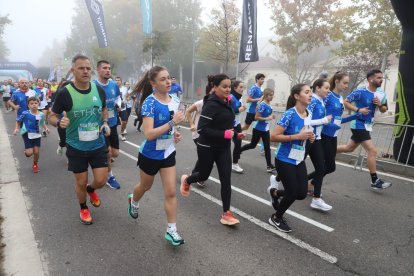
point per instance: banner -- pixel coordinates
(146, 11)
(98, 20)
(248, 39)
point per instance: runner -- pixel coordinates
(19, 98)
(236, 94)
(157, 153)
(31, 121)
(125, 107)
(42, 94)
(113, 103)
(366, 101)
(264, 114)
(6, 89)
(214, 145)
(319, 118)
(85, 121)
(292, 132)
(255, 94)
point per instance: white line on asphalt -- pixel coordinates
(344, 164)
(292, 213)
(325, 256)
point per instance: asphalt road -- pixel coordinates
(366, 233)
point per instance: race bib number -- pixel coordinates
(34, 135)
(111, 113)
(297, 153)
(164, 143)
(88, 132)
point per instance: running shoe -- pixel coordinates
(125, 132)
(184, 187)
(201, 184)
(44, 133)
(236, 167)
(174, 238)
(59, 151)
(132, 209)
(35, 168)
(280, 224)
(320, 204)
(270, 168)
(228, 219)
(85, 216)
(94, 199)
(272, 189)
(123, 137)
(380, 184)
(113, 183)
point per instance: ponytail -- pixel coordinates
(338, 76)
(144, 85)
(295, 90)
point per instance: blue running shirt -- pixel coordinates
(236, 104)
(265, 110)
(255, 92)
(293, 124)
(31, 123)
(318, 111)
(163, 146)
(112, 96)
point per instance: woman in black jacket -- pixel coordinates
(214, 144)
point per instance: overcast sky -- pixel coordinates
(36, 23)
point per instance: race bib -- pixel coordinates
(318, 132)
(164, 143)
(338, 120)
(297, 153)
(34, 135)
(111, 113)
(88, 132)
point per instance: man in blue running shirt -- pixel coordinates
(367, 100)
(113, 104)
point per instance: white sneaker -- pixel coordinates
(125, 132)
(236, 168)
(123, 137)
(274, 184)
(59, 151)
(318, 203)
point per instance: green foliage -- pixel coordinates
(157, 44)
(4, 51)
(219, 41)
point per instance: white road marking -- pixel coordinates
(292, 213)
(325, 256)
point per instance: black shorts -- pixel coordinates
(124, 114)
(5, 99)
(79, 160)
(152, 166)
(360, 135)
(250, 118)
(30, 143)
(113, 140)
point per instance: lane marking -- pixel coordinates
(323, 255)
(252, 196)
(342, 164)
(292, 213)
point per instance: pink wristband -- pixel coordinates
(228, 134)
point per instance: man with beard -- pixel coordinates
(366, 101)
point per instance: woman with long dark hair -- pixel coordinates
(293, 132)
(157, 153)
(214, 144)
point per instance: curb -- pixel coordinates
(21, 254)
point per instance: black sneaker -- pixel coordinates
(279, 224)
(270, 168)
(380, 184)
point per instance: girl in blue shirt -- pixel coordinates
(293, 132)
(157, 153)
(264, 115)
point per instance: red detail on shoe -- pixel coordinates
(85, 216)
(35, 168)
(94, 198)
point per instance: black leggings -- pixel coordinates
(329, 145)
(197, 164)
(206, 158)
(237, 144)
(62, 137)
(294, 181)
(316, 154)
(257, 134)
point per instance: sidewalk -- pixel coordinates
(21, 254)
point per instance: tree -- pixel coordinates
(371, 41)
(157, 45)
(303, 26)
(219, 41)
(4, 51)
